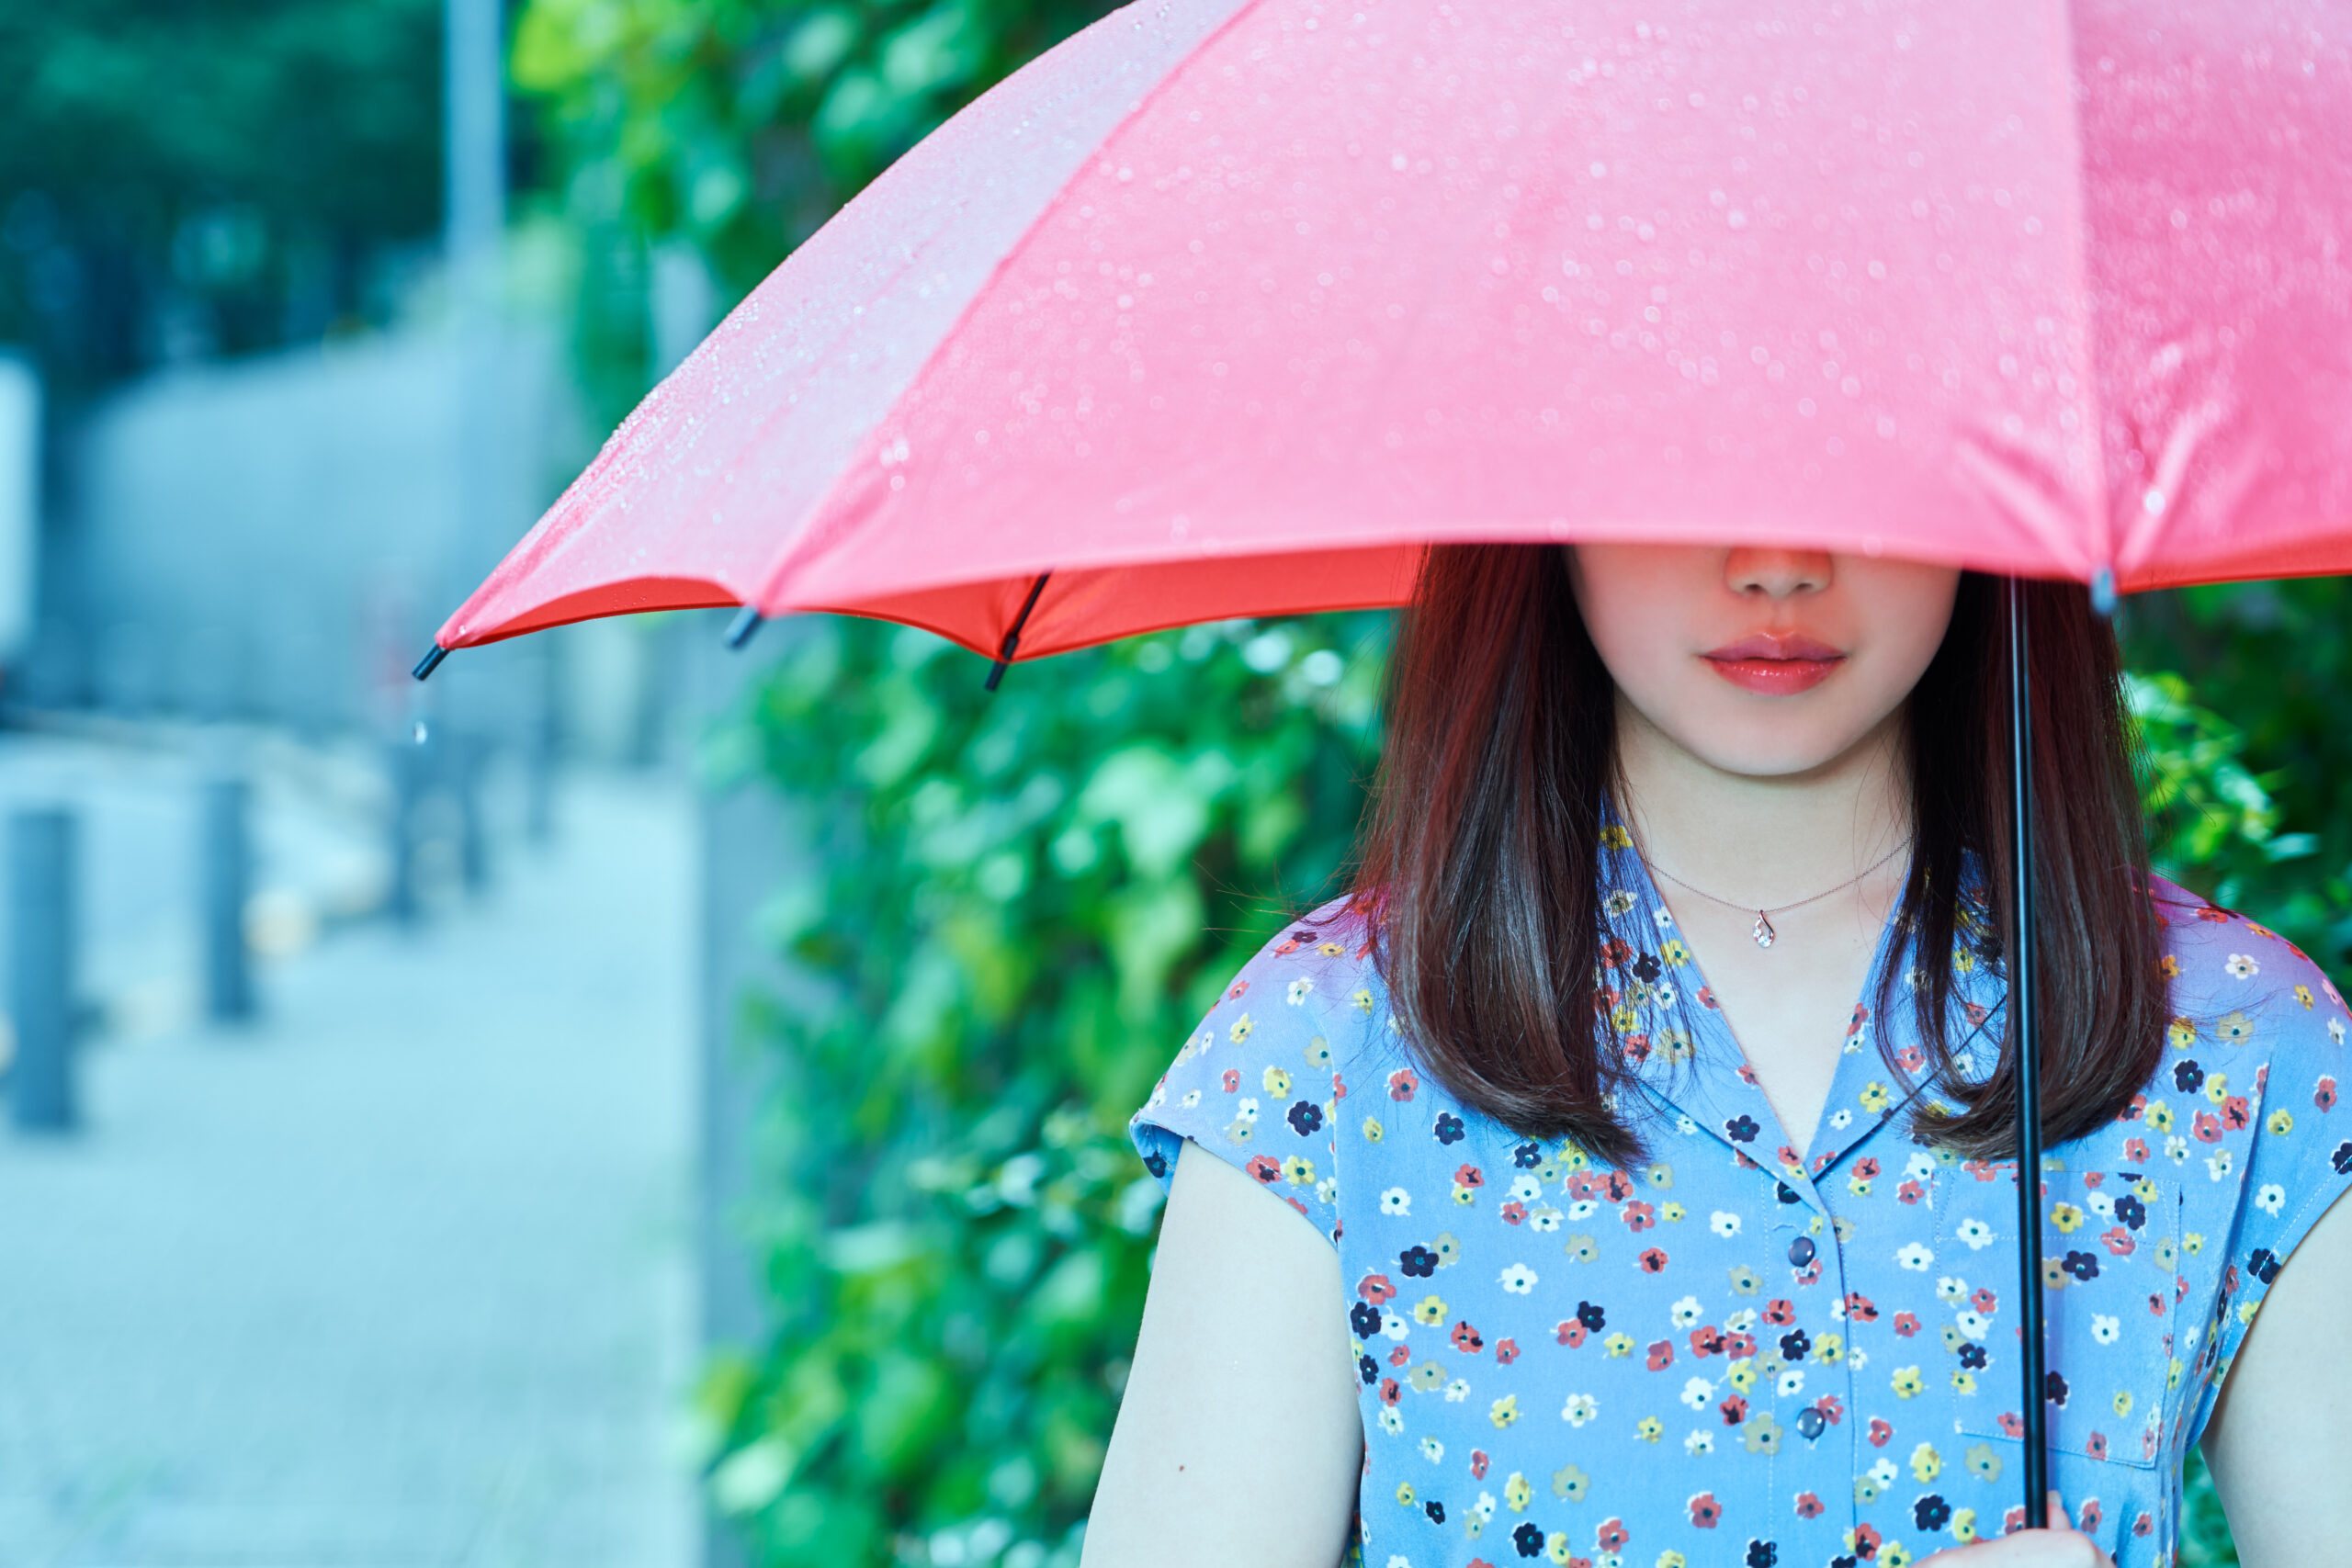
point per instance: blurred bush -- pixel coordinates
(2255, 803)
(1022, 901)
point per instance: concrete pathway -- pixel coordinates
(401, 1276)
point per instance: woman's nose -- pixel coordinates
(1776, 574)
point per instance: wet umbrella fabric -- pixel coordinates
(1224, 308)
(1230, 307)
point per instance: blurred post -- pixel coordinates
(466, 756)
(477, 127)
(227, 862)
(404, 767)
(542, 738)
(19, 505)
(40, 966)
(475, 218)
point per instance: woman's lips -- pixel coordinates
(1775, 663)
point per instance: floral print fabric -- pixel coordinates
(1743, 1353)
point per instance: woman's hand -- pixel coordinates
(2060, 1546)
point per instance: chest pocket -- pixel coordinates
(2110, 1243)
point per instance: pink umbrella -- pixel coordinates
(1231, 306)
(1226, 307)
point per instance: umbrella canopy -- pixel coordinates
(1229, 307)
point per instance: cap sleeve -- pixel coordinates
(1260, 1081)
(2299, 1158)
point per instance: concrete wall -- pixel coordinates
(277, 538)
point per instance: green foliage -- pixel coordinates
(2212, 821)
(2273, 663)
(2204, 1534)
(1022, 902)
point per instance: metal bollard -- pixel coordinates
(40, 967)
(404, 761)
(541, 739)
(469, 753)
(227, 860)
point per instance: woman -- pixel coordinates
(1648, 1103)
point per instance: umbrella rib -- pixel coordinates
(1012, 635)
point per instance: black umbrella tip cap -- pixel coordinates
(739, 631)
(430, 662)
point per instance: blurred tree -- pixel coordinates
(1022, 902)
(179, 178)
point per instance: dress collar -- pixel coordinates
(1683, 1056)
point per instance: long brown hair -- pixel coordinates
(1478, 864)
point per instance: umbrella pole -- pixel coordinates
(2027, 1065)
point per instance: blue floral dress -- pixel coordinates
(1743, 1353)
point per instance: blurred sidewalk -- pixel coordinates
(403, 1275)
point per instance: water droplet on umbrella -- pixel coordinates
(419, 733)
(2153, 504)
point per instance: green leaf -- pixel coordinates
(1161, 810)
(903, 1415)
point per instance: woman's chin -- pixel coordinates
(1787, 745)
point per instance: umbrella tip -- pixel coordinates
(1012, 642)
(739, 630)
(2103, 591)
(430, 662)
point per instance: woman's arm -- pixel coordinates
(1237, 1443)
(2280, 1462)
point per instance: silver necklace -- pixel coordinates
(1763, 933)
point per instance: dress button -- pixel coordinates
(1809, 1422)
(1801, 1251)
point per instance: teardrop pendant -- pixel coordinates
(1765, 935)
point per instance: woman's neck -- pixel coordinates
(1759, 842)
(1818, 839)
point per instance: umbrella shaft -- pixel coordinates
(2028, 1061)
